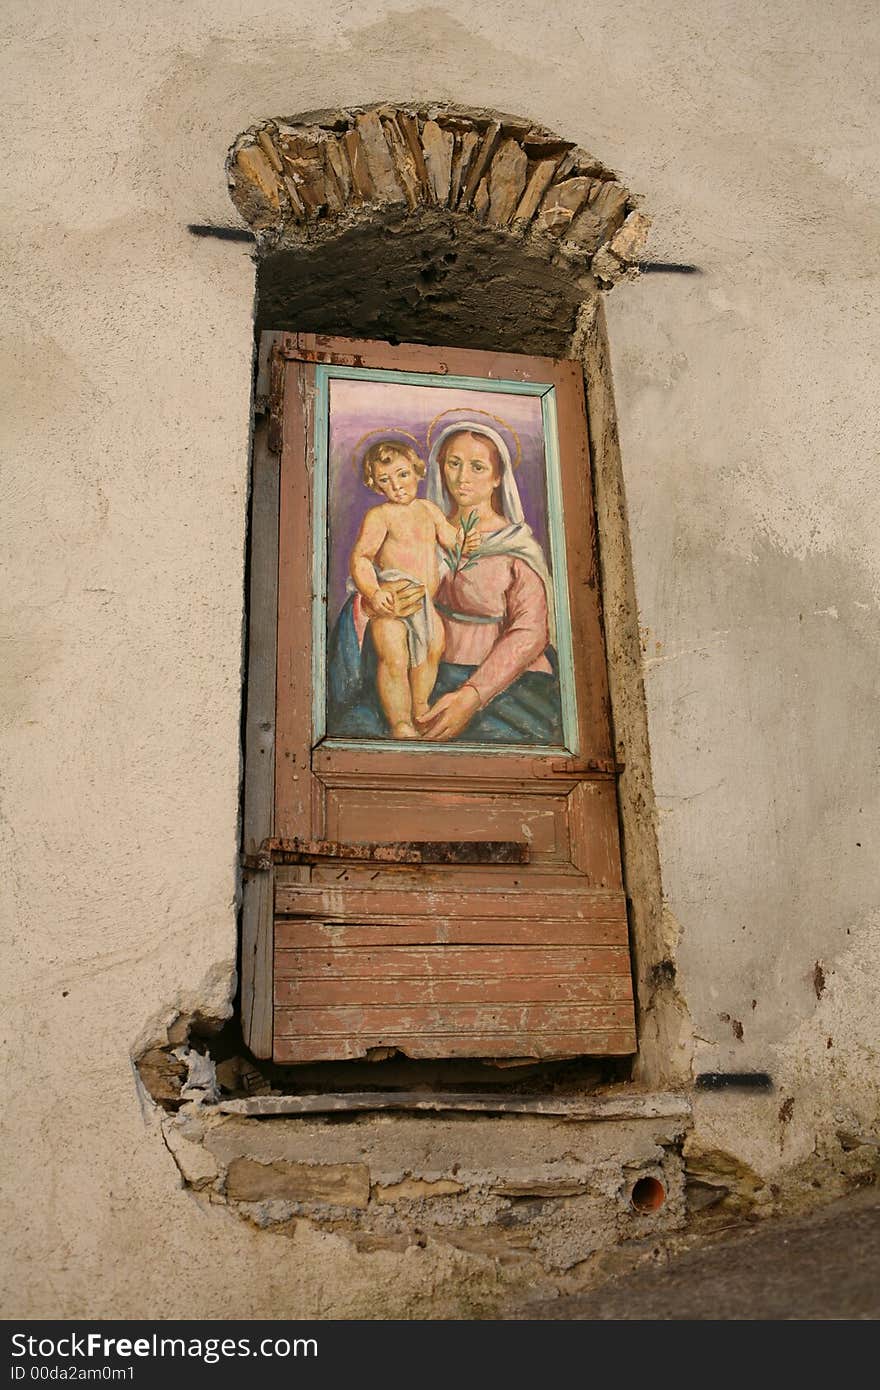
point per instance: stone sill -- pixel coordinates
(619, 1106)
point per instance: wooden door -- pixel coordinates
(442, 888)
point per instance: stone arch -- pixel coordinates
(430, 224)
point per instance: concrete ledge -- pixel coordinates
(650, 1106)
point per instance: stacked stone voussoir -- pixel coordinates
(296, 178)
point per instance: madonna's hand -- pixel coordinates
(450, 715)
(406, 595)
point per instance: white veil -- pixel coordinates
(511, 505)
(515, 539)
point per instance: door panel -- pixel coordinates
(469, 959)
(359, 816)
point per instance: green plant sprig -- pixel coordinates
(454, 553)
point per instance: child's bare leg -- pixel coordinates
(392, 676)
(422, 679)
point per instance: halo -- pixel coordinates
(470, 410)
(391, 433)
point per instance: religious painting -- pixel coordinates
(442, 600)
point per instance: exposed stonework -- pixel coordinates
(547, 1192)
(162, 1075)
(336, 1184)
(542, 1200)
(294, 179)
(197, 1165)
(719, 1184)
(417, 1189)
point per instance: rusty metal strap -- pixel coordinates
(296, 851)
(589, 769)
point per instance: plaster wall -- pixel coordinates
(746, 409)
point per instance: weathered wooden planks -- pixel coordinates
(357, 903)
(436, 877)
(297, 799)
(314, 992)
(613, 1042)
(588, 640)
(453, 975)
(257, 944)
(390, 1023)
(421, 931)
(259, 772)
(381, 961)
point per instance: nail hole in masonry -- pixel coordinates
(648, 1194)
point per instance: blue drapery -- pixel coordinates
(527, 712)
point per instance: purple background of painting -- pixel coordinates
(357, 406)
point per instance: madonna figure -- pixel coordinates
(497, 682)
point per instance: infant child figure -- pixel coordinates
(395, 553)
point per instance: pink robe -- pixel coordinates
(508, 592)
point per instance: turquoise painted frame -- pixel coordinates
(324, 374)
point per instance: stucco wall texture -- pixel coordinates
(747, 408)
